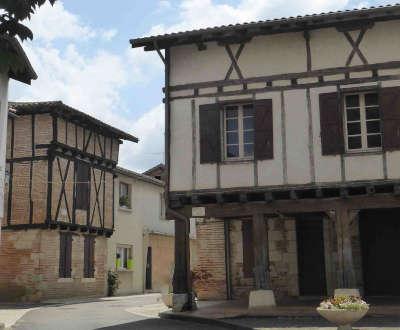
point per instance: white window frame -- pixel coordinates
(125, 253)
(240, 133)
(363, 122)
(129, 186)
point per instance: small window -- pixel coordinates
(82, 185)
(65, 260)
(124, 258)
(362, 122)
(124, 195)
(239, 131)
(88, 257)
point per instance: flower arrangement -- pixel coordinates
(348, 303)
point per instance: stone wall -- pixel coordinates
(241, 286)
(29, 267)
(282, 248)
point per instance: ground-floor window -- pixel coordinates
(124, 258)
(88, 267)
(65, 264)
(148, 269)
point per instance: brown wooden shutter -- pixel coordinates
(62, 256)
(264, 131)
(68, 256)
(88, 257)
(65, 260)
(248, 248)
(332, 138)
(389, 99)
(210, 134)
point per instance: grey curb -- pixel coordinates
(201, 320)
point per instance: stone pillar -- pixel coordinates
(182, 283)
(347, 275)
(262, 296)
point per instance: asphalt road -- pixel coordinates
(135, 312)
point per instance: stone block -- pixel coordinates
(347, 292)
(261, 298)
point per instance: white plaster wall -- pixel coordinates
(237, 175)
(181, 145)
(3, 136)
(281, 53)
(298, 160)
(364, 167)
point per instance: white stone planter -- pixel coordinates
(342, 318)
(167, 299)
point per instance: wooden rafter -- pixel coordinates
(237, 55)
(356, 46)
(63, 193)
(234, 59)
(97, 188)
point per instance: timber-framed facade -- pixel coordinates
(59, 202)
(282, 137)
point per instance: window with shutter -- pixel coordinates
(82, 187)
(248, 248)
(332, 138)
(65, 259)
(389, 102)
(210, 133)
(88, 256)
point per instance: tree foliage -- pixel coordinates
(13, 12)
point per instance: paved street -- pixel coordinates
(134, 312)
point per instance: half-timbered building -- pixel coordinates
(59, 205)
(283, 136)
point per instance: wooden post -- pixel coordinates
(345, 251)
(261, 262)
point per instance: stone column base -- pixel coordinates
(261, 298)
(347, 292)
(180, 302)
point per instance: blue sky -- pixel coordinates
(82, 55)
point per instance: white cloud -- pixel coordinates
(150, 149)
(55, 22)
(109, 34)
(195, 14)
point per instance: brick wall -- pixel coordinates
(29, 265)
(210, 283)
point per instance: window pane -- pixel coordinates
(371, 99)
(231, 124)
(248, 110)
(248, 123)
(353, 114)
(352, 101)
(232, 138)
(231, 112)
(372, 113)
(248, 137)
(374, 141)
(353, 128)
(355, 142)
(248, 150)
(232, 151)
(373, 126)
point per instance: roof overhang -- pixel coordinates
(350, 19)
(61, 109)
(14, 58)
